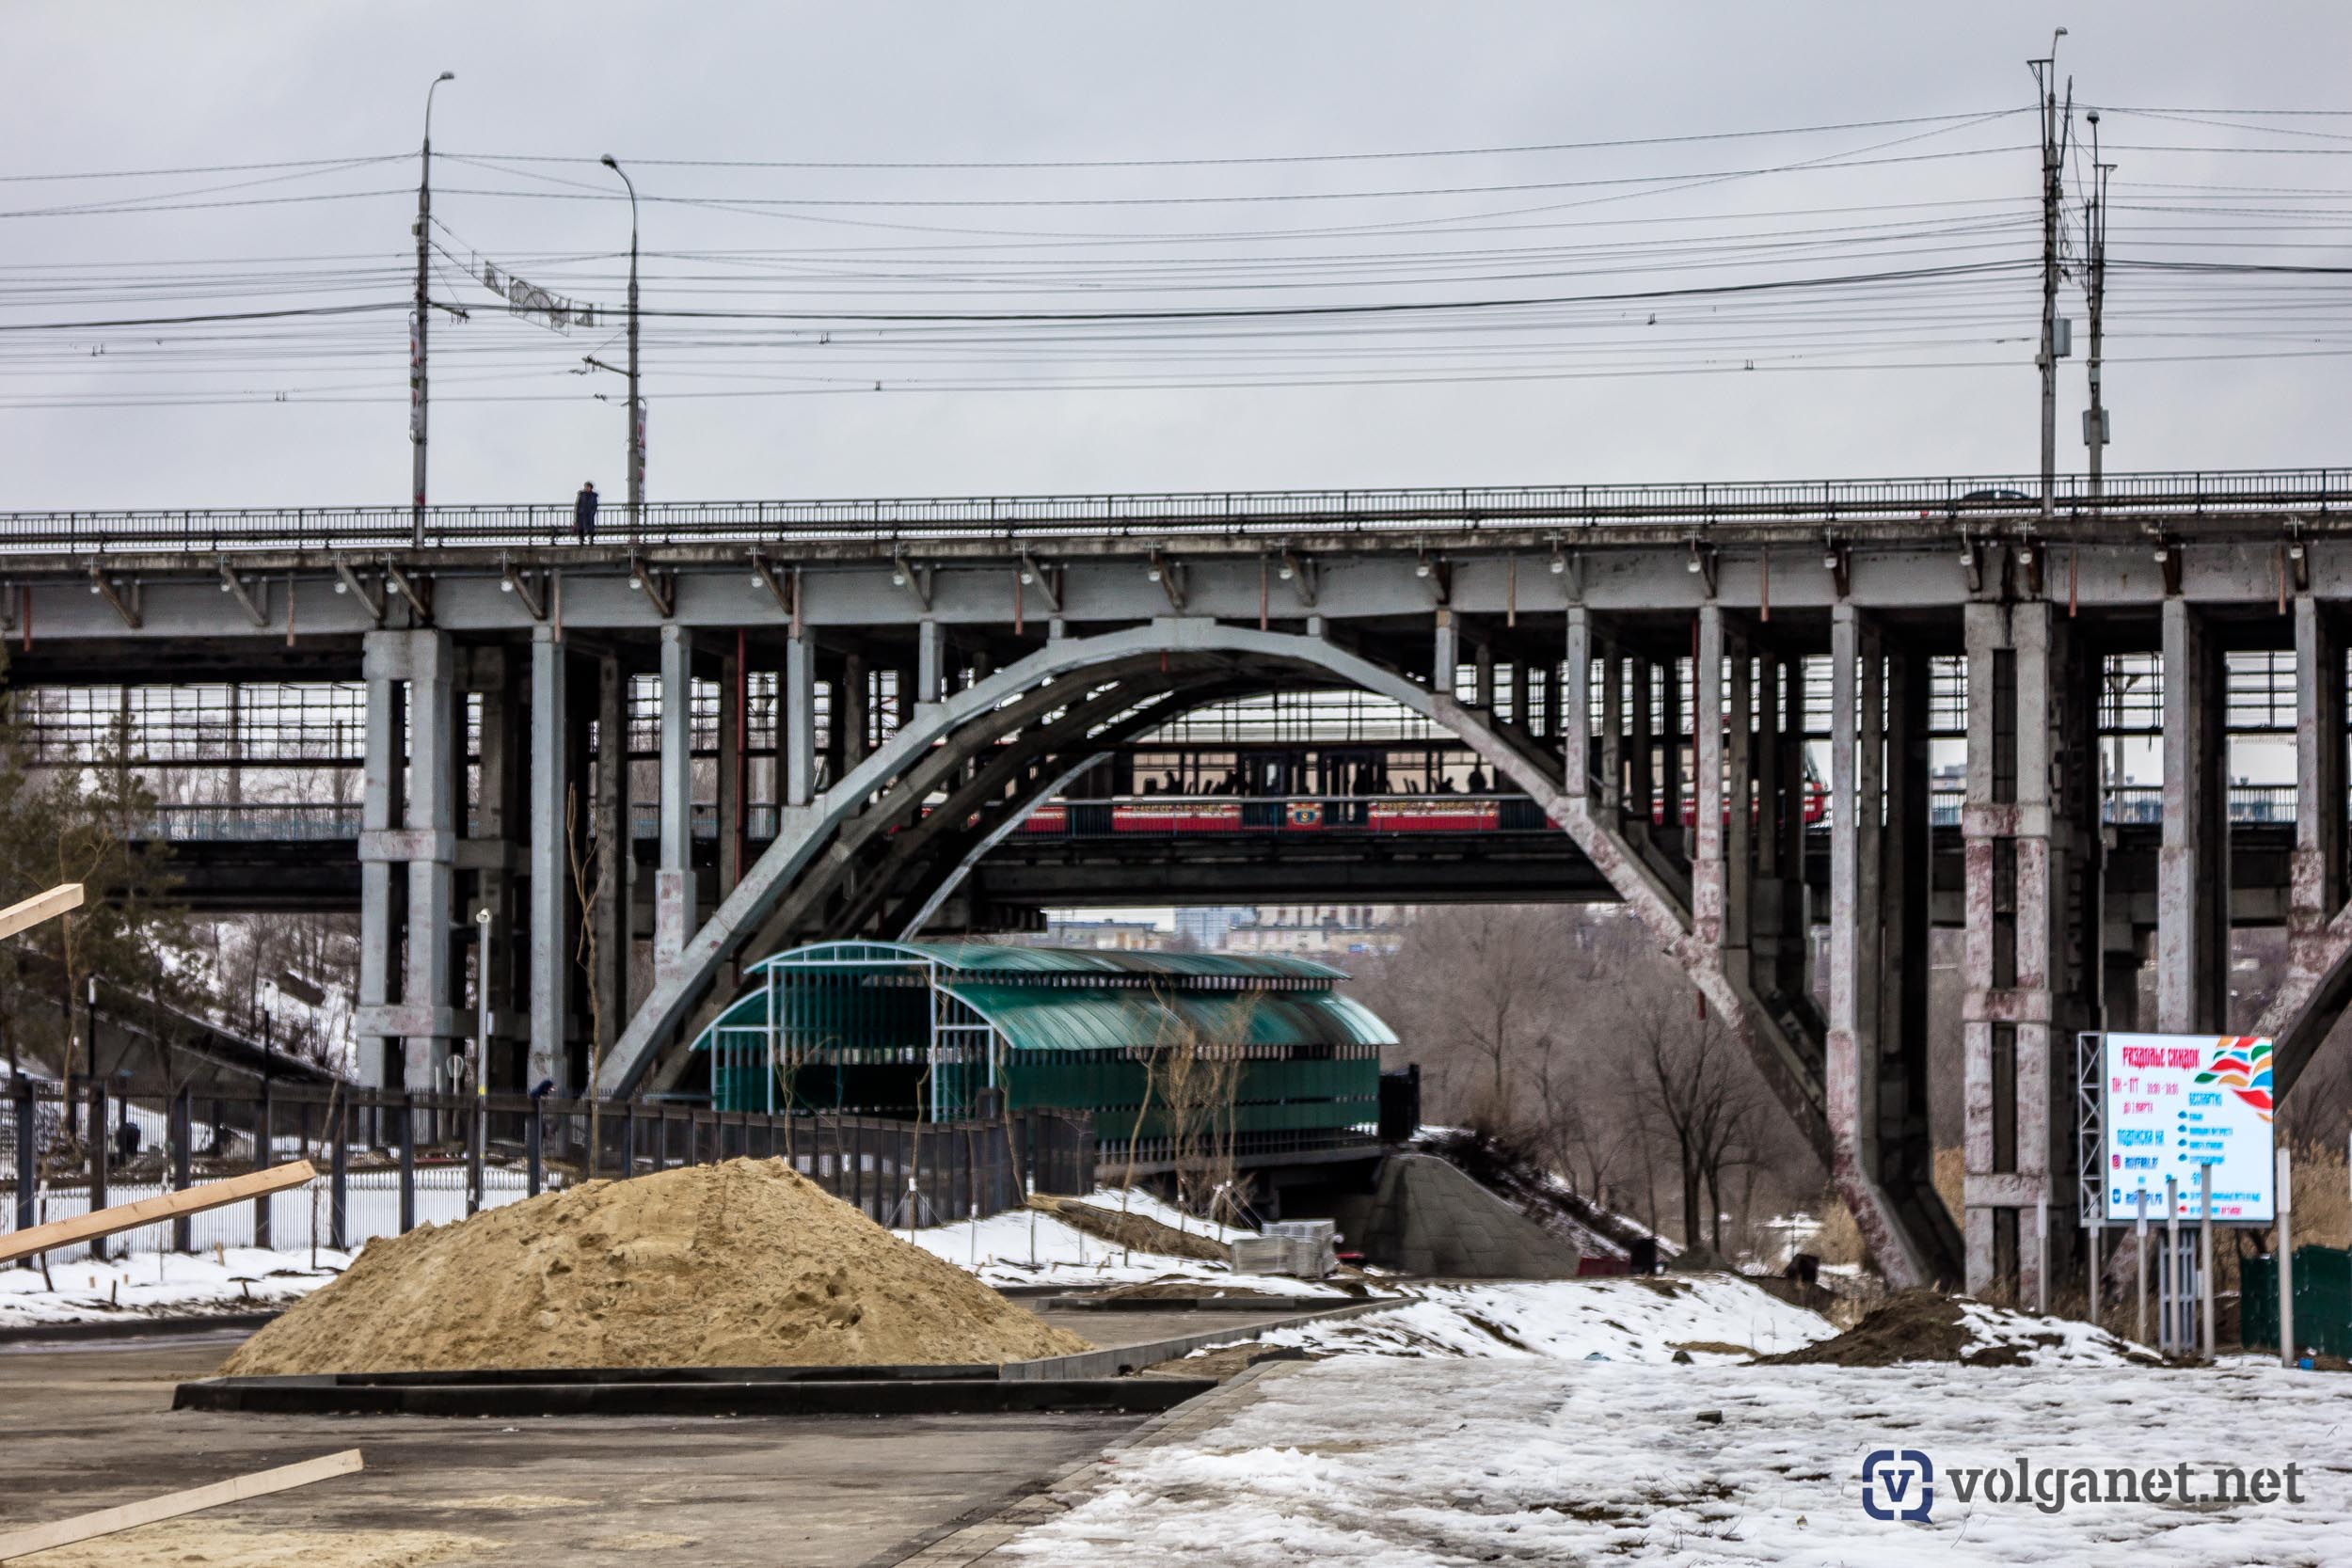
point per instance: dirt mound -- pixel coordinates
(1924, 1325)
(740, 1264)
(1133, 1231)
(1911, 1325)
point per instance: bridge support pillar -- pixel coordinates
(930, 661)
(435, 763)
(2319, 921)
(1708, 805)
(1446, 656)
(2031, 851)
(1876, 1068)
(385, 667)
(551, 944)
(2193, 864)
(796, 723)
(1574, 709)
(674, 882)
(615, 856)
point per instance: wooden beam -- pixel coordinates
(40, 907)
(147, 1210)
(171, 1505)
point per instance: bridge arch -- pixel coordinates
(864, 853)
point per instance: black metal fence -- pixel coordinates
(391, 1160)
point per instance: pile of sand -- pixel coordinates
(740, 1264)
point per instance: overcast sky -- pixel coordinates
(88, 88)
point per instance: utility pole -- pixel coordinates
(2053, 130)
(636, 407)
(417, 322)
(2095, 419)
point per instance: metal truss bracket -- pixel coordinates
(1838, 559)
(914, 580)
(2298, 560)
(526, 586)
(2169, 560)
(764, 576)
(1304, 576)
(1569, 565)
(2031, 561)
(124, 598)
(256, 610)
(347, 581)
(418, 591)
(1971, 564)
(1170, 574)
(657, 586)
(1047, 580)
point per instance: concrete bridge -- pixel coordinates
(1625, 659)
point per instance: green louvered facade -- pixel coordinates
(918, 1030)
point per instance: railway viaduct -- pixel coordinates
(1644, 665)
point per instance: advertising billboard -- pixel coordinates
(2173, 1103)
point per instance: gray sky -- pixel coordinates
(88, 87)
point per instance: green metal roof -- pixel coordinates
(1035, 1018)
(1024, 966)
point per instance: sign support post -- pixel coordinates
(2286, 1263)
(2205, 1253)
(2141, 1261)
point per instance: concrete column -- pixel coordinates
(1641, 784)
(1524, 696)
(609, 984)
(1853, 1046)
(930, 661)
(1670, 746)
(550, 865)
(796, 722)
(852, 704)
(2193, 864)
(674, 882)
(1612, 803)
(1992, 728)
(499, 812)
(1575, 715)
(1773, 801)
(1739, 789)
(385, 664)
(733, 719)
(1483, 676)
(436, 741)
(1707, 787)
(1447, 657)
(2317, 886)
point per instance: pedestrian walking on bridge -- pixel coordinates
(584, 512)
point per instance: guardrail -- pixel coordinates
(1992, 497)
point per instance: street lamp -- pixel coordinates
(416, 335)
(636, 409)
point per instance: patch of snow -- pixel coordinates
(1026, 1246)
(164, 1285)
(1388, 1463)
(2044, 1342)
(1572, 1320)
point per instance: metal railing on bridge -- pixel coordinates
(1990, 498)
(1161, 816)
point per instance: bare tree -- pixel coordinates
(1701, 1091)
(587, 886)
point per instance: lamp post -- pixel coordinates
(636, 408)
(417, 328)
(481, 1057)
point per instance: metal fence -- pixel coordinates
(1992, 499)
(390, 1162)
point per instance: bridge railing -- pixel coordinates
(1955, 499)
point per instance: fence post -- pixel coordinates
(534, 1145)
(264, 1148)
(338, 1180)
(477, 1137)
(629, 1137)
(407, 1162)
(2286, 1260)
(183, 1169)
(98, 1163)
(27, 1154)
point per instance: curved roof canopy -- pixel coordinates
(1078, 999)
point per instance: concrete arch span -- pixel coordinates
(865, 853)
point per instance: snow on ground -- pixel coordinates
(2043, 1341)
(1030, 1247)
(1714, 1318)
(162, 1284)
(1382, 1462)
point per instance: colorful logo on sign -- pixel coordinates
(2242, 1066)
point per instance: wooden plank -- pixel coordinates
(106, 1521)
(147, 1210)
(39, 907)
